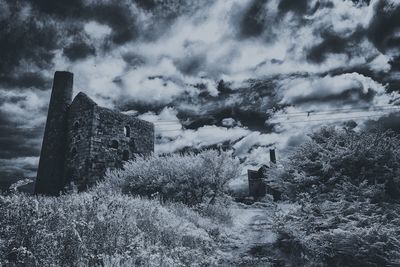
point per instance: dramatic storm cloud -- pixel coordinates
(211, 73)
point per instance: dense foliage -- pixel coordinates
(106, 227)
(347, 186)
(189, 178)
(337, 158)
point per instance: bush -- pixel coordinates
(341, 233)
(99, 228)
(190, 179)
(334, 157)
(347, 184)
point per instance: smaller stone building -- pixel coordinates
(258, 187)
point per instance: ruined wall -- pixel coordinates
(101, 139)
(79, 132)
(82, 140)
(110, 146)
(257, 187)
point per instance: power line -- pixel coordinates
(311, 112)
(166, 123)
(306, 121)
(381, 109)
(314, 113)
(333, 119)
(170, 131)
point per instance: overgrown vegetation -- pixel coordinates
(347, 184)
(342, 193)
(111, 225)
(190, 179)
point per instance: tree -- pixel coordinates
(346, 185)
(189, 178)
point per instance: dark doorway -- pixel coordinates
(125, 155)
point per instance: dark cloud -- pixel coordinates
(80, 50)
(247, 105)
(384, 25)
(23, 42)
(393, 85)
(298, 6)
(16, 169)
(17, 141)
(119, 17)
(147, 4)
(18, 148)
(252, 21)
(224, 88)
(133, 60)
(29, 38)
(252, 119)
(26, 80)
(349, 96)
(321, 5)
(361, 2)
(192, 65)
(61, 8)
(333, 43)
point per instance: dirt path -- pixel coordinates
(251, 236)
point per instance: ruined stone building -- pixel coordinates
(258, 187)
(82, 139)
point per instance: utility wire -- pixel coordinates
(167, 123)
(312, 112)
(327, 115)
(307, 121)
(331, 119)
(368, 109)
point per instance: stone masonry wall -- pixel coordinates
(109, 145)
(99, 139)
(78, 157)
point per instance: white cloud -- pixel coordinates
(24, 107)
(315, 87)
(203, 47)
(97, 30)
(207, 41)
(380, 63)
(204, 136)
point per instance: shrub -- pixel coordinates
(190, 179)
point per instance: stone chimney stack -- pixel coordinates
(49, 179)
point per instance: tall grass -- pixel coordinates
(117, 224)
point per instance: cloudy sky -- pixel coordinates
(242, 74)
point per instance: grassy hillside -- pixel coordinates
(124, 221)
